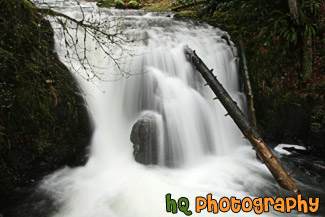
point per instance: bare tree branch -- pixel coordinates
(97, 30)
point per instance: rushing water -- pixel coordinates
(200, 150)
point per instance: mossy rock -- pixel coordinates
(119, 4)
(133, 5)
(105, 3)
(162, 6)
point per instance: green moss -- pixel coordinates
(105, 3)
(119, 4)
(187, 13)
(133, 5)
(28, 4)
(183, 14)
(162, 6)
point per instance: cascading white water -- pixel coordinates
(207, 148)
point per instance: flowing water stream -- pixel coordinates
(200, 150)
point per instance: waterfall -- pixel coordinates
(200, 151)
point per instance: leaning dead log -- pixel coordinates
(264, 153)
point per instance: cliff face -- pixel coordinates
(44, 123)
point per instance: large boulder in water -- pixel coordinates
(144, 136)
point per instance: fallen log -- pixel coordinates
(264, 153)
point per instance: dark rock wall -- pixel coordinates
(292, 121)
(44, 123)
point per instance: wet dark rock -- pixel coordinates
(283, 122)
(120, 4)
(227, 38)
(144, 137)
(317, 138)
(293, 123)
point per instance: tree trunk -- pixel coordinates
(307, 49)
(307, 57)
(264, 153)
(294, 11)
(248, 87)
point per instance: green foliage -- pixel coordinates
(310, 8)
(310, 30)
(224, 6)
(281, 24)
